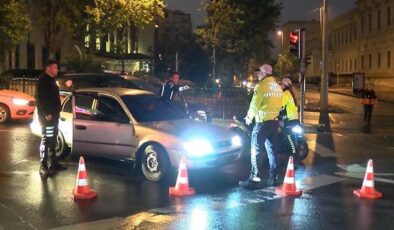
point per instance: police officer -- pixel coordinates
(265, 107)
(368, 99)
(48, 107)
(290, 111)
(171, 87)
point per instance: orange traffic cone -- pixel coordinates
(82, 190)
(368, 188)
(289, 188)
(182, 182)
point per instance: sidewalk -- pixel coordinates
(347, 91)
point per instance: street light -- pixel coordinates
(280, 33)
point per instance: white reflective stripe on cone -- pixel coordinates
(183, 180)
(368, 183)
(81, 167)
(182, 167)
(369, 170)
(291, 167)
(289, 180)
(82, 182)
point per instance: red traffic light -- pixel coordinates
(293, 37)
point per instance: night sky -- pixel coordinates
(304, 8)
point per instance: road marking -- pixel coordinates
(320, 149)
(14, 131)
(361, 176)
(310, 183)
(235, 198)
(357, 168)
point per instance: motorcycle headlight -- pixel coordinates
(297, 129)
(18, 101)
(236, 141)
(198, 147)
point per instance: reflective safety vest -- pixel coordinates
(369, 98)
(266, 103)
(289, 106)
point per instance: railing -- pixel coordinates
(231, 101)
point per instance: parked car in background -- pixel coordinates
(15, 105)
(138, 125)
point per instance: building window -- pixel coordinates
(370, 61)
(378, 59)
(388, 15)
(362, 62)
(355, 33)
(362, 24)
(369, 22)
(31, 56)
(389, 59)
(355, 64)
(351, 65)
(346, 69)
(378, 19)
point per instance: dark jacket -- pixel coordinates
(168, 90)
(368, 97)
(48, 99)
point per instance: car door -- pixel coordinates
(105, 130)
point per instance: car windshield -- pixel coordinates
(143, 85)
(148, 108)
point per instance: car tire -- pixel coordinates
(62, 150)
(154, 162)
(4, 113)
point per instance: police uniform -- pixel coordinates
(265, 107)
(291, 111)
(48, 103)
(168, 90)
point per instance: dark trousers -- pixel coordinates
(290, 137)
(368, 112)
(264, 134)
(49, 131)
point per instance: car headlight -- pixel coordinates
(236, 141)
(297, 129)
(198, 147)
(18, 101)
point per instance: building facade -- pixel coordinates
(32, 53)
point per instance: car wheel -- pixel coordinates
(154, 162)
(62, 150)
(4, 113)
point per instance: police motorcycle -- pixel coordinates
(239, 126)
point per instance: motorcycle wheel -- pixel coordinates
(302, 150)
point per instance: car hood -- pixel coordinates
(189, 129)
(14, 94)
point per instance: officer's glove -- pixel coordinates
(183, 88)
(248, 121)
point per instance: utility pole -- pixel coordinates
(324, 77)
(176, 62)
(302, 51)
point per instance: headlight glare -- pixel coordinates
(18, 101)
(198, 147)
(236, 141)
(297, 129)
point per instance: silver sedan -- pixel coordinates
(138, 125)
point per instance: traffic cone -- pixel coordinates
(82, 190)
(182, 182)
(289, 188)
(368, 188)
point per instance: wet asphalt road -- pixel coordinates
(334, 168)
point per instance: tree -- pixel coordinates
(56, 19)
(239, 28)
(286, 64)
(119, 15)
(14, 24)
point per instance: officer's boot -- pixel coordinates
(45, 171)
(55, 165)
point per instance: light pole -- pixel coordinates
(280, 33)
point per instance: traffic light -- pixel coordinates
(295, 44)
